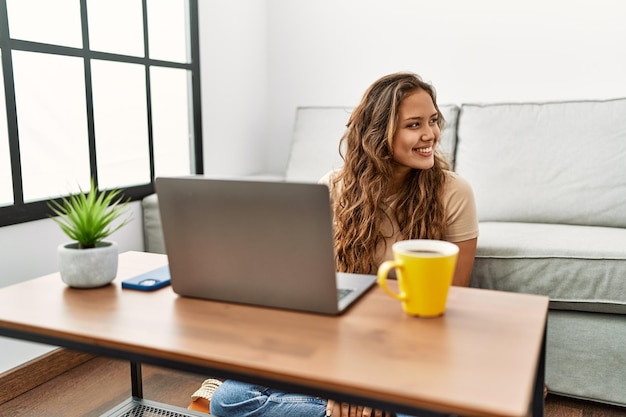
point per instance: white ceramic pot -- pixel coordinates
(88, 268)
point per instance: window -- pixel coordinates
(107, 89)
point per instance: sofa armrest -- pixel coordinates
(152, 231)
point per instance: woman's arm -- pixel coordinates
(465, 262)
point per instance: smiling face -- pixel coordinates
(417, 133)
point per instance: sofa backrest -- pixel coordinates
(318, 130)
(559, 162)
(315, 142)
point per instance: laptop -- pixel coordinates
(254, 242)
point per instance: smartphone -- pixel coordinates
(149, 281)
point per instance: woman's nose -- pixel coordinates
(429, 134)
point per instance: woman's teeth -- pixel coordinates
(424, 150)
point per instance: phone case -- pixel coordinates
(149, 281)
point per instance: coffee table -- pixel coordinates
(484, 357)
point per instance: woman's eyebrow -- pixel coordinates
(435, 114)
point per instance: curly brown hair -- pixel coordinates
(362, 186)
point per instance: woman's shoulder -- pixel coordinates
(328, 177)
(456, 185)
(456, 180)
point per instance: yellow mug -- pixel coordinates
(424, 269)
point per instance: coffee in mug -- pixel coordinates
(424, 269)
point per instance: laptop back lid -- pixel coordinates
(251, 242)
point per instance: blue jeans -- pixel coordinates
(239, 399)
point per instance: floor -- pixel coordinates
(100, 383)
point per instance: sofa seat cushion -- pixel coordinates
(580, 268)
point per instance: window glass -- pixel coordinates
(121, 124)
(54, 22)
(167, 30)
(52, 123)
(76, 115)
(6, 184)
(171, 124)
(116, 26)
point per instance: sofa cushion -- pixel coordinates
(315, 142)
(579, 267)
(318, 130)
(546, 163)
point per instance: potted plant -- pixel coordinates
(87, 219)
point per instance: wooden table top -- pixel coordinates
(479, 358)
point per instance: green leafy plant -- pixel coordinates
(87, 217)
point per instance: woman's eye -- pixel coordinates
(414, 125)
(434, 121)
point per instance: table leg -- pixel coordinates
(135, 379)
(540, 379)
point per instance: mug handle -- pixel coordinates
(383, 271)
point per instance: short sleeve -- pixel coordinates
(460, 205)
(326, 178)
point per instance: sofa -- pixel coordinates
(550, 185)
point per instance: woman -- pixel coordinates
(393, 186)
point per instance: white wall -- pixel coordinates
(233, 41)
(29, 249)
(326, 52)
